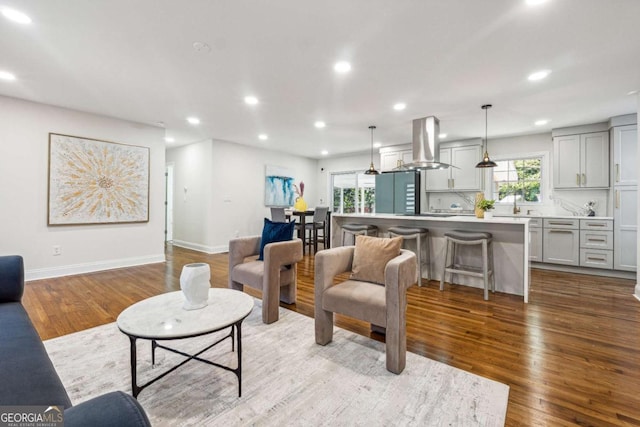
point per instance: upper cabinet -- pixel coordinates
(464, 176)
(581, 161)
(389, 158)
(625, 151)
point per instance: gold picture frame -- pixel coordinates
(96, 182)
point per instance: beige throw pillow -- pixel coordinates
(371, 257)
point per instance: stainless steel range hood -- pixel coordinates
(426, 150)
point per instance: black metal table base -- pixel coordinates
(236, 327)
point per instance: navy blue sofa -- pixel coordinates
(27, 376)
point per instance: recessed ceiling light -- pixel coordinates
(263, 136)
(320, 124)
(632, 92)
(193, 120)
(201, 47)
(324, 152)
(169, 139)
(541, 122)
(5, 75)
(442, 135)
(251, 100)
(16, 16)
(539, 75)
(400, 106)
(342, 67)
(535, 2)
(377, 145)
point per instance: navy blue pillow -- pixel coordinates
(275, 232)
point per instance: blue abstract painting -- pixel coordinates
(278, 187)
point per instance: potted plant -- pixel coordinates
(486, 206)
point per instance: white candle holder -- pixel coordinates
(194, 282)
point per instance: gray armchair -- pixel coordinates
(382, 306)
(276, 276)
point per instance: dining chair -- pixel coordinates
(319, 224)
(278, 215)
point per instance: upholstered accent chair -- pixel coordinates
(275, 276)
(384, 306)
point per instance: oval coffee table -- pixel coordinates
(163, 318)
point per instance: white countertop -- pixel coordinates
(496, 217)
(456, 218)
(556, 216)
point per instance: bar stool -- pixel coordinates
(469, 238)
(417, 234)
(358, 229)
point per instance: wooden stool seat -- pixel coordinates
(417, 234)
(469, 238)
(358, 229)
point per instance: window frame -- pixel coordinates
(360, 193)
(544, 176)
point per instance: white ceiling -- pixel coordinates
(133, 59)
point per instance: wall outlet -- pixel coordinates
(237, 233)
(57, 250)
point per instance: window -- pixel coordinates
(353, 192)
(518, 180)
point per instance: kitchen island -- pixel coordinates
(510, 244)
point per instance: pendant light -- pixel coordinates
(486, 161)
(372, 170)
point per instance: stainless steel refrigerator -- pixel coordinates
(398, 192)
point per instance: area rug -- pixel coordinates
(287, 379)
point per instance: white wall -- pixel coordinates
(637, 288)
(24, 136)
(192, 190)
(225, 191)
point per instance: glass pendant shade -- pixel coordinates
(486, 161)
(372, 170)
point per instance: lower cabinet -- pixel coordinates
(561, 245)
(578, 242)
(626, 228)
(596, 258)
(535, 239)
(596, 243)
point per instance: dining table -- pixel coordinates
(301, 217)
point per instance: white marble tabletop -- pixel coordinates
(162, 316)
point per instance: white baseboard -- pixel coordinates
(68, 270)
(201, 248)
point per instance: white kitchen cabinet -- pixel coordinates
(581, 161)
(596, 258)
(561, 241)
(596, 243)
(439, 179)
(625, 152)
(464, 176)
(625, 215)
(535, 239)
(389, 159)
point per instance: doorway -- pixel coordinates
(168, 203)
